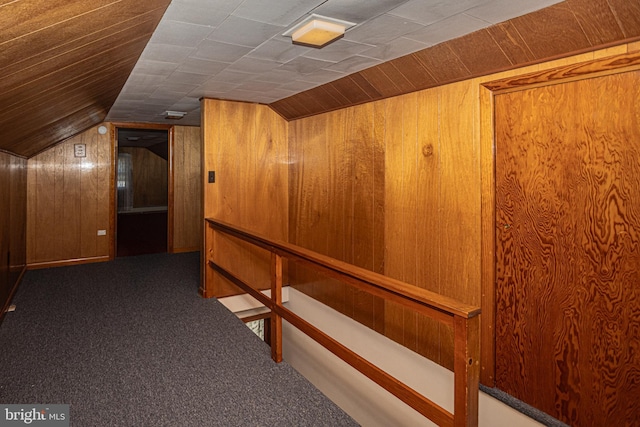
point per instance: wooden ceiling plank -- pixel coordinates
(28, 16)
(627, 15)
(597, 21)
(39, 47)
(79, 60)
(414, 72)
(400, 81)
(87, 67)
(350, 90)
(379, 80)
(55, 105)
(442, 64)
(551, 31)
(371, 91)
(479, 52)
(283, 108)
(514, 47)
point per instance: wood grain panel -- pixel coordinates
(5, 224)
(480, 54)
(568, 227)
(428, 216)
(460, 195)
(187, 170)
(246, 145)
(68, 201)
(149, 177)
(18, 218)
(70, 47)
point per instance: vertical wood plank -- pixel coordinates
(276, 297)
(69, 201)
(428, 215)
(467, 368)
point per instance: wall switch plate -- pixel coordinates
(80, 150)
(102, 232)
(212, 177)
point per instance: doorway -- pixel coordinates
(142, 190)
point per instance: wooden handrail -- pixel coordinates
(462, 317)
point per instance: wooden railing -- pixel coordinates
(464, 319)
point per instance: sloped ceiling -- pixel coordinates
(64, 63)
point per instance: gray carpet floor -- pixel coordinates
(130, 343)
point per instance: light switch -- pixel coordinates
(102, 232)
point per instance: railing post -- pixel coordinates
(276, 298)
(466, 368)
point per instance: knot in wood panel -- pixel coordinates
(427, 150)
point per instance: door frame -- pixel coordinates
(579, 71)
(114, 164)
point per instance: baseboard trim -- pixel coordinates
(66, 262)
(14, 288)
(181, 250)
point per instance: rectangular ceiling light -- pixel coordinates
(174, 115)
(318, 31)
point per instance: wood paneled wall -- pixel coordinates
(391, 186)
(69, 198)
(13, 212)
(68, 201)
(414, 172)
(246, 145)
(149, 177)
(187, 189)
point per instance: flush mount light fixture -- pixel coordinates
(318, 31)
(174, 115)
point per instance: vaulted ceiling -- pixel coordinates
(69, 64)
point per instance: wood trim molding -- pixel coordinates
(12, 293)
(66, 262)
(596, 68)
(170, 193)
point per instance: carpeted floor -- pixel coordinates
(130, 343)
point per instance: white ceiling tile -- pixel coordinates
(447, 29)
(381, 30)
(203, 12)
(277, 12)
(353, 64)
(229, 76)
(278, 76)
(323, 76)
(304, 65)
(157, 68)
(180, 33)
(356, 11)
(253, 65)
(298, 86)
(257, 86)
(278, 50)
(165, 52)
(338, 51)
(188, 78)
(501, 10)
(221, 52)
(202, 66)
(433, 11)
(244, 32)
(394, 49)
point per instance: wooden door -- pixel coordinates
(568, 249)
